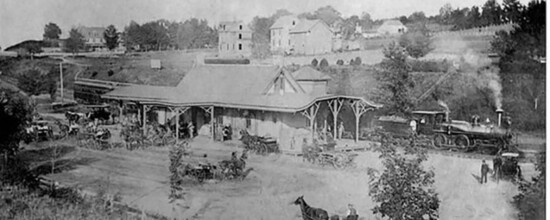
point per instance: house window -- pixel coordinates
(240, 27)
(240, 46)
(293, 22)
(240, 36)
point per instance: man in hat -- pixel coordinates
(352, 213)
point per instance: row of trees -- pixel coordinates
(163, 34)
(490, 13)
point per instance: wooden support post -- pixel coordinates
(144, 120)
(311, 116)
(210, 110)
(177, 111)
(335, 106)
(359, 108)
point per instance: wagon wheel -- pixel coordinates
(439, 141)
(339, 161)
(462, 142)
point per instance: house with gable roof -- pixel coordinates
(391, 27)
(280, 33)
(264, 100)
(311, 37)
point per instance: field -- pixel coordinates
(141, 177)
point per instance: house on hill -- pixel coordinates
(391, 27)
(311, 37)
(280, 33)
(234, 40)
(264, 100)
(93, 37)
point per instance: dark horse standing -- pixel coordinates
(310, 213)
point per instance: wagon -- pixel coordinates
(319, 155)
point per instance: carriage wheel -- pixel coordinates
(339, 161)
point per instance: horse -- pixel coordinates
(235, 166)
(310, 213)
(101, 115)
(74, 116)
(63, 128)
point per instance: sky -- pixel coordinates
(25, 19)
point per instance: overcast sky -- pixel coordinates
(25, 19)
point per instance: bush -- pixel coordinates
(357, 61)
(324, 63)
(110, 72)
(314, 62)
(340, 62)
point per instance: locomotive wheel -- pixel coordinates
(462, 142)
(439, 141)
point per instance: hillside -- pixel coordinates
(136, 67)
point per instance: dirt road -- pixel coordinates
(141, 177)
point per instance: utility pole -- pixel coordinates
(61, 79)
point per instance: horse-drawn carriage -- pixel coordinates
(226, 169)
(97, 139)
(39, 130)
(326, 155)
(258, 144)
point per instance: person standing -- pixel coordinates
(191, 129)
(497, 167)
(340, 130)
(484, 171)
(352, 213)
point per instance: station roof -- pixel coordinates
(232, 86)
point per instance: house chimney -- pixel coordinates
(499, 115)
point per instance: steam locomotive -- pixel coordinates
(436, 129)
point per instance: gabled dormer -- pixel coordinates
(311, 80)
(282, 83)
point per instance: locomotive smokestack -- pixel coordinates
(499, 114)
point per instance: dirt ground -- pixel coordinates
(142, 178)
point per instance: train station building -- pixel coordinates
(265, 100)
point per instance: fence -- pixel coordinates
(478, 31)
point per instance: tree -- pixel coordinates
(75, 42)
(314, 62)
(51, 31)
(491, 13)
(404, 190)
(260, 36)
(33, 47)
(520, 52)
(395, 82)
(133, 37)
(111, 37)
(531, 200)
(473, 17)
(280, 13)
(416, 41)
(327, 14)
(349, 25)
(417, 17)
(445, 13)
(15, 111)
(31, 82)
(323, 64)
(511, 10)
